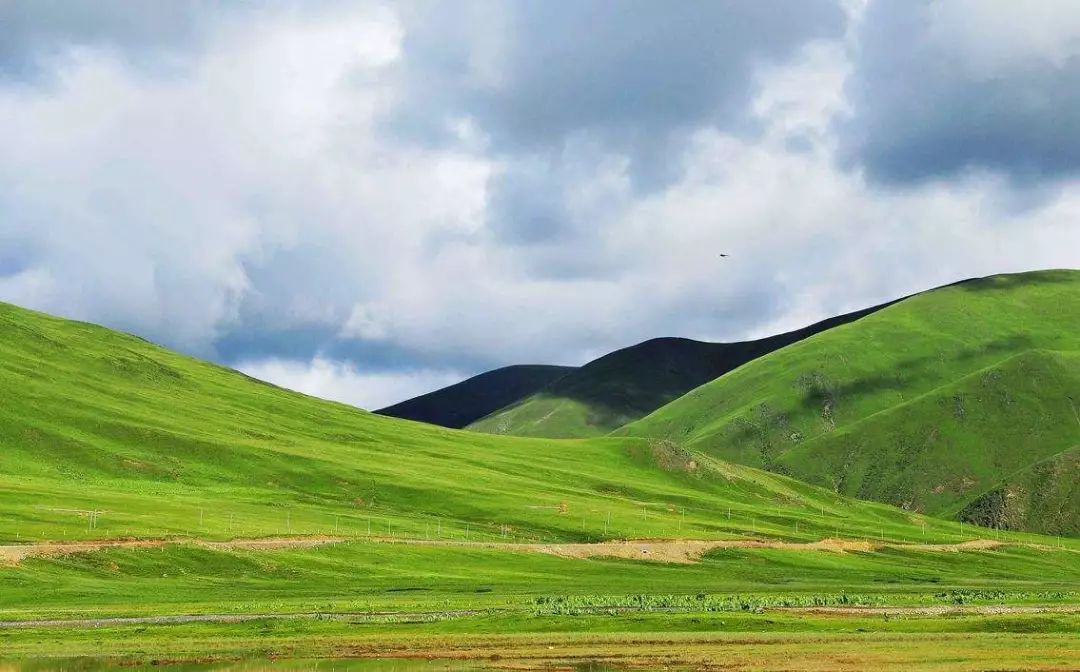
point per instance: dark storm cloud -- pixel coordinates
(928, 106)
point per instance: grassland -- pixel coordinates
(960, 402)
(106, 437)
(376, 599)
(770, 641)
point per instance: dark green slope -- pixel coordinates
(459, 404)
(628, 384)
(933, 404)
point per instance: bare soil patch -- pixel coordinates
(680, 551)
(13, 554)
(684, 551)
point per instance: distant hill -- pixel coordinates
(462, 403)
(962, 401)
(630, 383)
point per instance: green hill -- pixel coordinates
(943, 403)
(459, 404)
(158, 444)
(628, 384)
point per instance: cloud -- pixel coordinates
(341, 381)
(182, 206)
(940, 89)
(561, 90)
(533, 74)
(347, 196)
(44, 34)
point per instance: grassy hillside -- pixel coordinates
(465, 402)
(160, 445)
(932, 404)
(628, 384)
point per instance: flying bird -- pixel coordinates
(724, 255)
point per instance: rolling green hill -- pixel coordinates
(962, 401)
(159, 445)
(628, 384)
(459, 404)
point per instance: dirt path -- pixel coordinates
(682, 551)
(690, 551)
(13, 554)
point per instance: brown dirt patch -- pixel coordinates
(684, 551)
(13, 554)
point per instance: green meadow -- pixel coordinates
(429, 536)
(107, 436)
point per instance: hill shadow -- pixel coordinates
(820, 389)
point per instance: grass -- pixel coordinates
(945, 403)
(159, 445)
(769, 641)
(105, 436)
(364, 576)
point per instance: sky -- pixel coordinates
(366, 201)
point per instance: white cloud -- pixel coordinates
(150, 203)
(369, 322)
(991, 35)
(342, 381)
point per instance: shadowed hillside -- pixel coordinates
(962, 401)
(630, 383)
(459, 404)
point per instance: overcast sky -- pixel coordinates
(366, 201)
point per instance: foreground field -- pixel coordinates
(774, 640)
(366, 576)
(752, 608)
